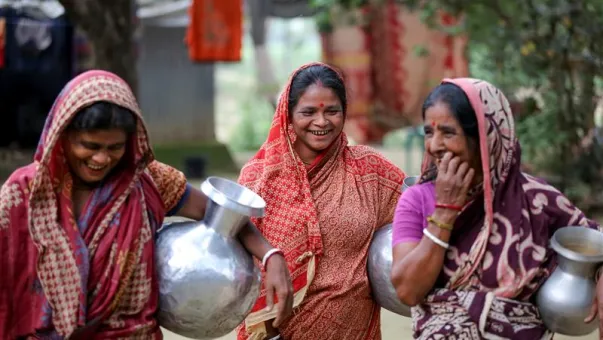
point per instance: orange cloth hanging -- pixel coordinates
(215, 31)
(2, 40)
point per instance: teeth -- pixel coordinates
(95, 167)
(320, 133)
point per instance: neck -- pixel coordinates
(307, 155)
(80, 185)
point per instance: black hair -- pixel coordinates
(316, 74)
(458, 103)
(102, 116)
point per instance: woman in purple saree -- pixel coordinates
(471, 239)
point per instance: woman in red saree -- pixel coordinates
(325, 199)
(470, 240)
(77, 225)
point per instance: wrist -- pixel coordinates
(270, 254)
(445, 215)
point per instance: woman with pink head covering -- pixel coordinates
(471, 240)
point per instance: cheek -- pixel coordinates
(75, 154)
(300, 123)
(116, 156)
(338, 121)
(457, 145)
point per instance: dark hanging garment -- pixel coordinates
(38, 62)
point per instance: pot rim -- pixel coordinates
(573, 255)
(255, 209)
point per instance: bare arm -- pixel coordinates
(416, 266)
(277, 281)
(194, 208)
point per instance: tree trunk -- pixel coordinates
(109, 26)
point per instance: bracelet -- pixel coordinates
(269, 253)
(439, 224)
(276, 337)
(449, 206)
(435, 239)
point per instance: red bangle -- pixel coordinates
(449, 206)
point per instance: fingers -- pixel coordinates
(462, 170)
(468, 178)
(269, 296)
(453, 166)
(283, 308)
(593, 312)
(443, 168)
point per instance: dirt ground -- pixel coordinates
(393, 327)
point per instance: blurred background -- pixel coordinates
(208, 73)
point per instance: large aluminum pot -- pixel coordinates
(380, 266)
(208, 282)
(565, 299)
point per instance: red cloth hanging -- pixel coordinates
(215, 31)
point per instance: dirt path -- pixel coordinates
(393, 327)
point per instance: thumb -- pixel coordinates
(593, 312)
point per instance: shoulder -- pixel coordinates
(367, 161)
(14, 194)
(22, 177)
(418, 195)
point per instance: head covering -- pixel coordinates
(86, 267)
(277, 171)
(499, 252)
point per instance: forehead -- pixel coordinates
(440, 113)
(107, 136)
(316, 94)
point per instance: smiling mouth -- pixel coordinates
(95, 167)
(321, 133)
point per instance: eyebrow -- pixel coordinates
(445, 128)
(335, 106)
(89, 143)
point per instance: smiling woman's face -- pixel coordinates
(92, 154)
(443, 133)
(317, 120)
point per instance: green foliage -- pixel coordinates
(553, 47)
(251, 131)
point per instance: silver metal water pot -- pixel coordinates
(565, 299)
(379, 266)
(208, 281)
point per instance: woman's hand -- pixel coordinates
(278, 282)
(453, 181)
(272, 333)
(597, 308)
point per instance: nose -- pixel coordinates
(321, 120)
(435, 146)
(101, 158)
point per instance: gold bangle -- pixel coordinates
(439, 224)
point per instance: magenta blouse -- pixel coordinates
(410, 218)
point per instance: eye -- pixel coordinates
(427, 130)
(90, 146)
(116, 147)
(306, 112)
